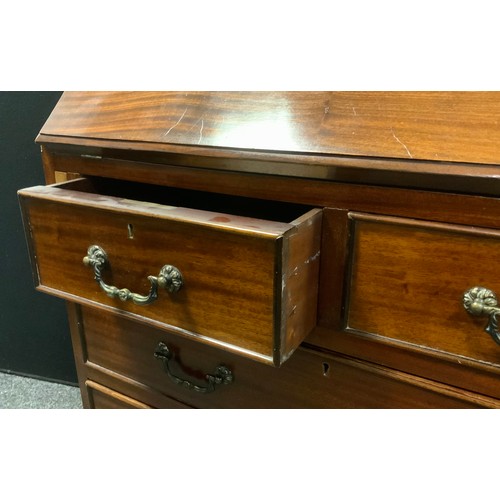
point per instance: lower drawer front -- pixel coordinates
(103, 398)
(308, 380)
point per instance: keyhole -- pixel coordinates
(326, 369)
(130, 231)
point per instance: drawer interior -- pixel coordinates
(199, 200)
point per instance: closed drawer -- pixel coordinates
(104, 398)
(117, 348)
(408, 281)
(240, 281)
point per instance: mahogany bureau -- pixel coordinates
(274, 249)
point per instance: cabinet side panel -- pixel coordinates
(23, 204)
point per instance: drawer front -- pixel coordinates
(248, 285)
(114, 345)
(408, 280)
(103, 398)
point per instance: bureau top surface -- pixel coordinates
(436, 126)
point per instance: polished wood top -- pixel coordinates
(436, 126)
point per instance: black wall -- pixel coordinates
(34, 336)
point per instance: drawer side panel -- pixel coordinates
(302, 248)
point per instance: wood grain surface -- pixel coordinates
(420, 169)
(120, 354)
(103, 398)
(235, 269)
(408, 280)
(414, 203)
(437, 126)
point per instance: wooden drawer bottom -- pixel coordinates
(120, 354)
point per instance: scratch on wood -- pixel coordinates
(195, 124)
(402, 144)
(177, 123)
(201, 132)
(313, 257)
(354, 111)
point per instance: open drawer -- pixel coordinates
(238, 273)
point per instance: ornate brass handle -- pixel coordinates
(222, 375)
(480, 301)
(169, 278)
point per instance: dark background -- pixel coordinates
(34, 334)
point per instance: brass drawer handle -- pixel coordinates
(480, 301)
(169, 278)
(222, 375)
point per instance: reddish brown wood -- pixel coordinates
(437, 126)
(408, 280)
(461, 177)
(439, 366)
(234, 268)
(74, 312)
(394, 158)
(414, 139)
(102, 397)
(430, 205)
(334, 258)
(48, 167)
(306, 380)
(298, 287)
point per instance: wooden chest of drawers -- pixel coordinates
(274, 250)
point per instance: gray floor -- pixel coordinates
(22, 392)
